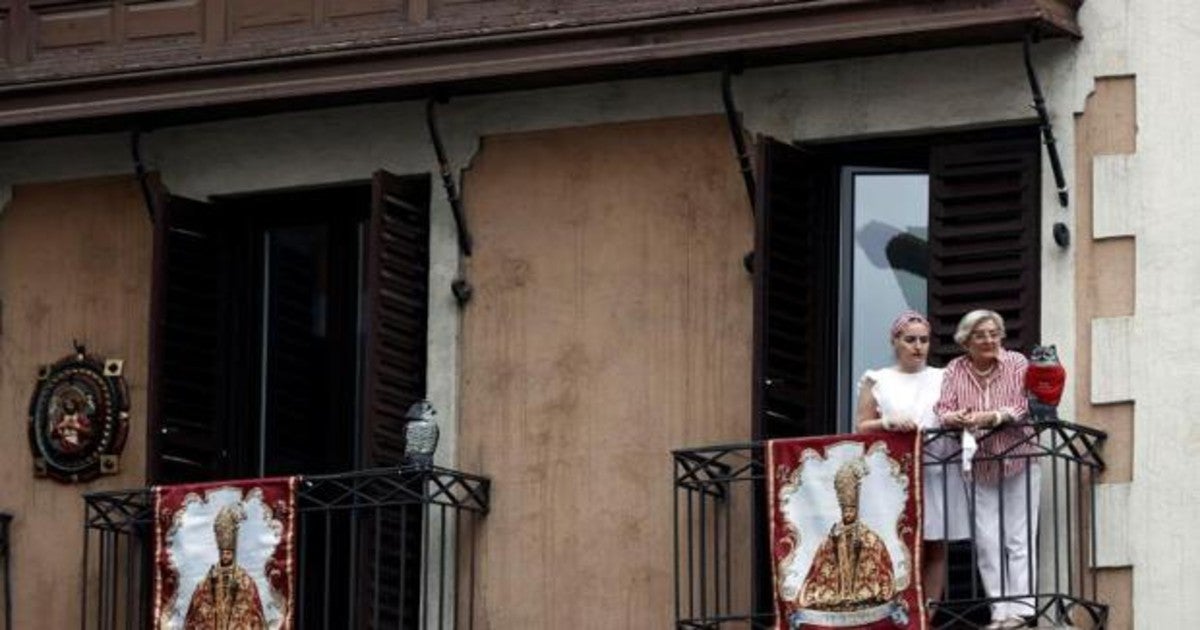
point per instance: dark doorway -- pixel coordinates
(977, 246)
(288, 338)
(307, 254)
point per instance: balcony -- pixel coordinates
(161, 61)
(381, 548)
(723, 575)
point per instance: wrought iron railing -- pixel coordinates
(380, 548)
(6, 602)
(722, 570)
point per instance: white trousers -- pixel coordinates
(1006, 524)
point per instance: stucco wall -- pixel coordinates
(74, 264)
(609, 327)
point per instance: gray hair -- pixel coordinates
(973, 319)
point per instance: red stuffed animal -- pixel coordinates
(1046, 376)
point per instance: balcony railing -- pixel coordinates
(380, 548)
(6, 613)
(723, 573)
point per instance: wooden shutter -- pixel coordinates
(984, 238)
(397, 285)
(188, 425)
(397, 288)
(795, 299)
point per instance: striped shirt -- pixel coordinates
(1002, 390)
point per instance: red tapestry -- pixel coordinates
(224, 555)
(846, 532)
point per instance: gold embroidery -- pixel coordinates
(852, 568)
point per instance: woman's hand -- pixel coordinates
(985, 419)
(957, 420)
(899, 423)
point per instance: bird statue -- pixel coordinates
(1045, 380)
(420, 433)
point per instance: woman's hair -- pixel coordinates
(973, 319)
(906, 318)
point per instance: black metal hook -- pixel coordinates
(734, 118)
(1039, 105)
(139, 169)
(464, 236)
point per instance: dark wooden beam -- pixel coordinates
(497, 59)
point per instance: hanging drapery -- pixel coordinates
(224, 555)
(845, 532)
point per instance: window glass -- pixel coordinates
(885, 266)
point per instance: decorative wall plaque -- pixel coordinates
(78, 417)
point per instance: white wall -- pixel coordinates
(1165, 495)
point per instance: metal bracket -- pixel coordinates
(139, 169)
(460, 222)
(1061, 233)
(5, 196)
(734, 118)
(1039, 104)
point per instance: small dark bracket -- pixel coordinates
(464, 236)
(462, 290)
(139, 169)
(734, 118)
(1039, 104)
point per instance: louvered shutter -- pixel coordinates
(984, 238)
(397, 287)
(188, 425)
(795, 298)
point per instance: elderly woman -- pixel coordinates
(983, 393)
(901, 397)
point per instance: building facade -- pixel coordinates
(606, 314)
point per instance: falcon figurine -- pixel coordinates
(420, 433)
(1045, 380)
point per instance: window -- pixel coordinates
(288, 330)
(850, 234)
(884, 266)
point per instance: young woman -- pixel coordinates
(902, 397)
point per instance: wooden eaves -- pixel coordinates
(587, 47)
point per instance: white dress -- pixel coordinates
(914, 395)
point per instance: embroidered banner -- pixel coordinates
(846, 532)
(224, 555)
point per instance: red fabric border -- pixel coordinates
(783, 455)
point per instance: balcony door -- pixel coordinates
(289, 330)
(289, 337)
(275, 339)
(307, 296)
(850, 234)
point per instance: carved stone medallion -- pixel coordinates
(78, 418)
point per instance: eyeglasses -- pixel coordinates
(987, 335)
